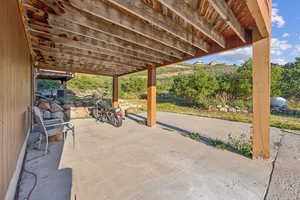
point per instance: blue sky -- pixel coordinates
(285, 38)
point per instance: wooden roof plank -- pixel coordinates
(183, 10)
(90, 44)
(77, 20)
(106, 12)
(143, 11)
(227, 15)
(84, 53)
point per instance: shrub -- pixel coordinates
(195, 88)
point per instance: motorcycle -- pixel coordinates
(103, 112)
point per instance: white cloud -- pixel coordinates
(279, 46)
(279, 61)
(238, 55)
(296, 51)
(285, 35)
(277, 20)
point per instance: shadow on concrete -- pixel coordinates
(186, 133)
(41, 176)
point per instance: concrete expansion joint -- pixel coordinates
(273, 166)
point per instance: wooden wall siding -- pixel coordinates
(15, 89)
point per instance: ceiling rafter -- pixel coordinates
(187, 13)
(106, 12)
(76, 20)
(228, 16)
(141, 10)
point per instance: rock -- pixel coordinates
(223, 109)
(66, 101)
(41, 100)
(44, 106)
(55, 108)
(232, 110)
(67, 116)
(219, 106)
(67, 106)
(212, 108)
(46, 115)
(58, 102)
(58, 115)
(226, 106)
(245, 111)
(237, 107)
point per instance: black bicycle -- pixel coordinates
(103, 112)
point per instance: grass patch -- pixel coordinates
(241, 145)
(177, 106)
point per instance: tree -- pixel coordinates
(195, 88)
(134, 85)
(290, 84)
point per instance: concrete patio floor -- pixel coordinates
(140, 163)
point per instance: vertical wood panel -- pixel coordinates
(261, 97)
(151, 97)
(15, 87)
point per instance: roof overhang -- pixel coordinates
(119, 37)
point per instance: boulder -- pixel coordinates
(58, 115)
(212, 108)
(46, 115)
(67, 116)
(219, 106)
(55, 108)
(223, 109)
(67, 106)
(44, 106)
(42, 100)
(232, 110)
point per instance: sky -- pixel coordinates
(285, 37)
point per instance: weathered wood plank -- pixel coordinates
(95, 43)
(106, 12)
(77, 20)
(64, 69)
(91, 45)
(148, 14)
(183, 10)
(67, 49)
(226, 14)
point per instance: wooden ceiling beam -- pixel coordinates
(143, 11)
(88, 66)
(103, 11)
(75, 59)
(83, 22)
(87, 43)
(63, 69)
(191, 16)
(228, 16)
(83, 53)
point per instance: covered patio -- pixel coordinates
(116, 38)
(119, 37)
(138, 162)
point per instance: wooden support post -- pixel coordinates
(151, 97)
(115, 97)
(261, 96)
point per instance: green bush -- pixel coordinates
(195, 88)
(47, 84)
(290, 84)
(133, 85)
